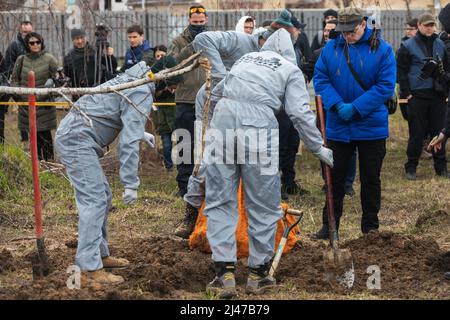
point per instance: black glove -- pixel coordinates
(428, 69)
(443, 36)
(440, 68)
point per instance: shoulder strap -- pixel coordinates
(355, 75)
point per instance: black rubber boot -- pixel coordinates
(322, 234)
(349, 191)
(294, 189)
(223, 285)
(259, 280)
(187, 226)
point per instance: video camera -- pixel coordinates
(61, 80)
(433, 68)
(101, 35)
(428, 68)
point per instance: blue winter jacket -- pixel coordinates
(335, 83)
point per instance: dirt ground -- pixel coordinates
(164, 268)
(411, 249)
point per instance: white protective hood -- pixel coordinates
(240, 24)
(281, 43)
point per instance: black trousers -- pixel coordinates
(371, 154)
(425, 114)
(45, 145)
(289, 141)
(404, 110)
(184, 119)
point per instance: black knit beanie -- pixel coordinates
(444, 18)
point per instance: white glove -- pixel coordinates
(149, 139)
(49, 83)
(129, 196)
(326, 156)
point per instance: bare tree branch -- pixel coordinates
(97, 90)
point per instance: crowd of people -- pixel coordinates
(259, 82)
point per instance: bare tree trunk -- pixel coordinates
(408, 9)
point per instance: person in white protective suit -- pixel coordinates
(223, 49)
(94, 123)
(246, 24)
(256, 88)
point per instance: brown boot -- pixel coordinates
(100, 277)
(187, 226)
(115, 263)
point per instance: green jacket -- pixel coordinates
(165, 115)
(193, 80)
(44, 66)
(165, 119)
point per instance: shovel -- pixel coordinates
(338, 263)
(39, 260)
(282, 244)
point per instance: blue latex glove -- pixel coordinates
(337, 106)
(346, 111)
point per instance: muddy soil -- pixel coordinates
(164, 268)
(410, 267)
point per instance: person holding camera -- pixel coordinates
(87, 66)
(423, 74)
(441, 139)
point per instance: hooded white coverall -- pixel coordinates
(223, 49)
(257, 86)
(80, 147)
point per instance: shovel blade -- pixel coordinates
(338, 265)
(39, 261)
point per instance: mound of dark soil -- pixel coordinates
(164, 267)
(410, 266)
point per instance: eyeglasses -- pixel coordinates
(197, 10)
(32, 43)
(349, 33)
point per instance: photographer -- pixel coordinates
(422, 74)
(87, 66)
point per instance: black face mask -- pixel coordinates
(196, 29)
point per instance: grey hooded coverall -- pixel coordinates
(79, 147)
(223, 49)
(258, 86)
